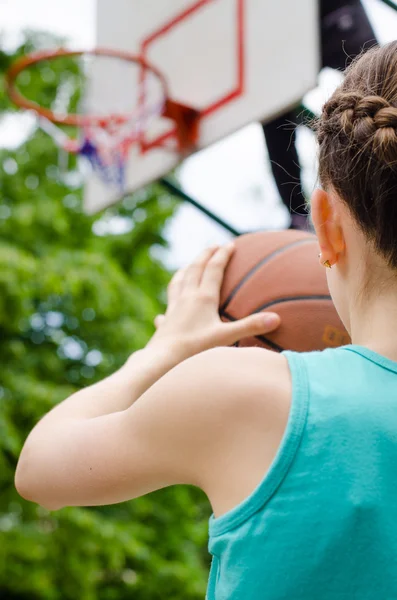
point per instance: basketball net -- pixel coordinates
(106, 144)
(105, 140)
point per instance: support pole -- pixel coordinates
(176, 191)
(390, 3)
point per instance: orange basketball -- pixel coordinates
(279, 271)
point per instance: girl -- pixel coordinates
(296, 452)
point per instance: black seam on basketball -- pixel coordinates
(261, 338)
(260, 264)
(290, 299)
(265, 340)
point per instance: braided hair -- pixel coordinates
(357, 135)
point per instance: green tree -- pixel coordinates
(75, 301)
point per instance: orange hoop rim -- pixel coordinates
(73, 119)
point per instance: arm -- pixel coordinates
(191, 325)
(119, 391)
(201, 424)
(93, 448)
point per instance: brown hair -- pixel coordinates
(357, 135)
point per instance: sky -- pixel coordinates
(232, 177)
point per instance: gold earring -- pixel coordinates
(326, 263)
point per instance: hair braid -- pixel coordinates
(357, 134)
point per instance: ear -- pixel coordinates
(327, 224)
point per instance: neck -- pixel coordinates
(373, 323)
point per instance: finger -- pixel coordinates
(258, 324)
(175, 286)
(194, 272)
(158, 321)
(212, 278)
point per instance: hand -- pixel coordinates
(192, 323)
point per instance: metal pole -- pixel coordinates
(176, 191)
(390, 3)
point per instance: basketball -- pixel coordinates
(280, 272)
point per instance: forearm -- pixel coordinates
(78, 429)
(121, 389)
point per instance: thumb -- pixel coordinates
(257, 324)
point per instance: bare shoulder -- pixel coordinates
(257, 363)
(254, 375)
(247, 393)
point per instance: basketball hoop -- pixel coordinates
(107, 139)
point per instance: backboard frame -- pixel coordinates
(205, 111)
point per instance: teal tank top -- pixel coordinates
(322, 524)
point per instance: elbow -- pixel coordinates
(23, 478)
(29, 487)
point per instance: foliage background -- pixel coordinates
(75, 301)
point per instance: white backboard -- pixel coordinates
(237, 60)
